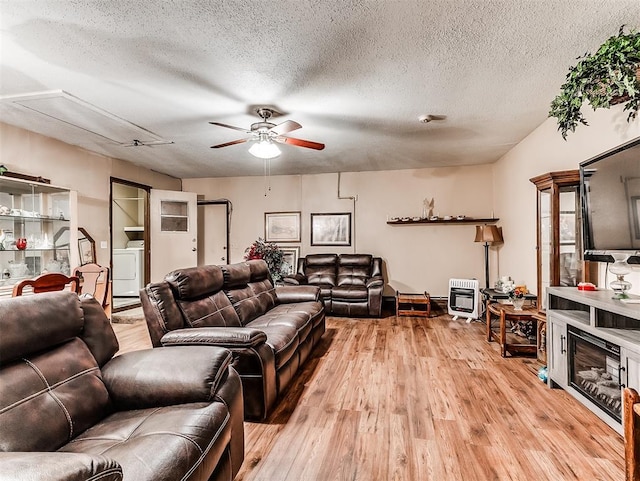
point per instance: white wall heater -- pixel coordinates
(464, 298)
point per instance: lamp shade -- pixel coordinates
(264, 149)
(488, 233)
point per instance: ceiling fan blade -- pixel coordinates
(230, 127)
(300, 143)
(227, 144)
(284, 127)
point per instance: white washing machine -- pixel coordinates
(128, 270)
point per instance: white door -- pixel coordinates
(212, 234)
(174, 231)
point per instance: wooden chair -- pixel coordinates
(95, 280)
(53, 281)
(631, 433)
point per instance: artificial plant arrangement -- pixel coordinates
(608, 77)
(271, 254)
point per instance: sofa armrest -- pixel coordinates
(294, 280)
(290, 294)
(166, 376)
(57, 466)
(375, 281)
(229, 337)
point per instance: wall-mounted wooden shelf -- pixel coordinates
(466, 220)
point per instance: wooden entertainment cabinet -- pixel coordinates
(575, 320)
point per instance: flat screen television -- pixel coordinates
(610, 199)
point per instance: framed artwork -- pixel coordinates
(86, 247)
(331, 229)
(291, 255)
(282, 226)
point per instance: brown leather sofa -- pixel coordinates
(271, 331)
(350, 284)
(69, 410)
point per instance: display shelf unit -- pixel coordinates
(45, 216)
(610, 322)
(466, 220)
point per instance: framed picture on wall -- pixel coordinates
(291, 255)
(331, 229)
(282, 226)
(86, 247)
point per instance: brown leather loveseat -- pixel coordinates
(350, 284)
(271, 331)
(69, 410)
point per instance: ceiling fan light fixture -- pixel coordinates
(264, 149)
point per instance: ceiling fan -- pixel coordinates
(266, 133)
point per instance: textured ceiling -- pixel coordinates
(356, 74)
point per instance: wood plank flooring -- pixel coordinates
(420, 399)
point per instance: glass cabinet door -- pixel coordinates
(545, 244)
(559, 242)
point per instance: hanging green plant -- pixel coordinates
(608, 77)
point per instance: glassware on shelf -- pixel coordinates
(620, 268)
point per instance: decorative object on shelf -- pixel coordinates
(21, 243)
(516, 296)
(271, 253)
(620, 268)
(460, 219)
(488, 234)
(608, 77)
(427, 207)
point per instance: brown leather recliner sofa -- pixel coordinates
(69, 410)
(350, 284)
(271, 331)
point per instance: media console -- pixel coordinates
(593, 348)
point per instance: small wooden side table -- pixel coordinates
(413, 304)
(508, 341)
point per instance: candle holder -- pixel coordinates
(620, 268)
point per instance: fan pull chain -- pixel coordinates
(267, 176)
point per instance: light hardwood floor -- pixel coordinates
(420, 399)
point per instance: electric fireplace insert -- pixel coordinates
(594, 370)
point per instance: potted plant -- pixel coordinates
(608, 77)
(271, 254)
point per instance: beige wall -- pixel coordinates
(417, 258)
(542, 151)
(75, 168)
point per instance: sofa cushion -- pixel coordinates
(182, 438)
(349, 293)
(236, 275)
(285, 315)
(214, 310)
(354, 269)
(320, 269)
(283, 340)
(248, 288)
(195, 282)
(49, 398)
(31, 324)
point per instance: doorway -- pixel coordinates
(214, 220)
(130, 252)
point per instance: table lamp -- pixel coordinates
(488, 234)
